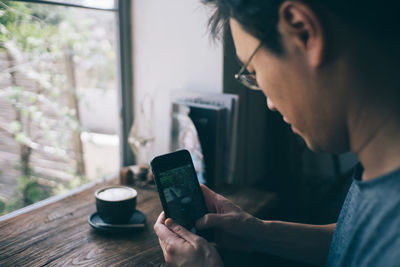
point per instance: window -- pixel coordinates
(60, 96)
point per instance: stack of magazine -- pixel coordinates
(206, 125)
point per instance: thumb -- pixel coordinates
(211, 220)
(180, 231)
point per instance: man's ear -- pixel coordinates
(301, 25)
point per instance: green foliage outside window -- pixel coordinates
(44, 44)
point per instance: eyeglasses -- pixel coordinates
(249, 79)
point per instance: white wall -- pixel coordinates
(172, 50)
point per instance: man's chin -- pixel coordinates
(312, 145)
(324, 147)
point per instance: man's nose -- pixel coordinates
(270, 104)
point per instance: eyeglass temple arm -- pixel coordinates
(248, 61)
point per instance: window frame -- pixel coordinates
(49, 2)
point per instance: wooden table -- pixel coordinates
(59, 233)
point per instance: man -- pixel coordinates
(331, 69)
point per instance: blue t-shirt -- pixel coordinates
(368, 228)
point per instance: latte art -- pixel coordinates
(116, 194)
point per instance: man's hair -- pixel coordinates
(377, 19)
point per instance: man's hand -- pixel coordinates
(183, 248)
(234, 228)
(238, 230)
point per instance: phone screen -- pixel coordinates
(182, 194)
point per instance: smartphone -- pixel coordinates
(179, 189)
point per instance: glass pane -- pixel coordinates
(58, 100)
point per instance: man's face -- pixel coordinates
(298, 91)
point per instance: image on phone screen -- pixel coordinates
(182, 195)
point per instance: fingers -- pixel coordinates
(212, 220)
(170, 242)
(181, 231)
(209, 197)
(162, 231)
(161, 218)
(167, 230)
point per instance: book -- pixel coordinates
(215, 117)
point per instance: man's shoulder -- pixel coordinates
(368, 228)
